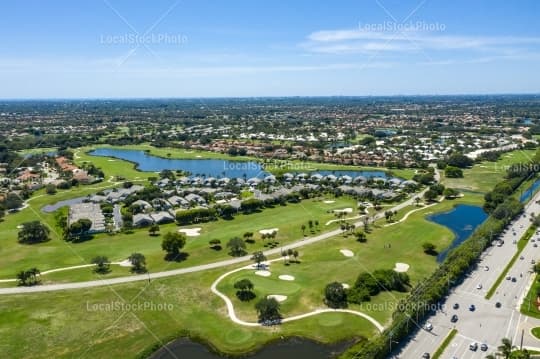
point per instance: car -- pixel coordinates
(498, 305)
(508, 277)
(456, 306)
(486, 268)
(479, 286)
(521, 257)
(426, 356)
(483, 347)
(521, 226)
(532, 240)
(535, 245)
(514, 279)
(472, 307)
(428, 327)
(454, 318)
(532, 261)
(473, 346)
(514, 241)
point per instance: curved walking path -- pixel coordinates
(408, 214)
(234, 317)
(141, 277)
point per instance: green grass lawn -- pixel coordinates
(66, 324)
(482, 177)
(57, 253)
(529, 306)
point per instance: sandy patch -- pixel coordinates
(198, 156)
(190, 232)
(263, 273)
(268, 231)
(344, 210)
(401, 267)
(328, 202)
(347, 253)
(286, 277)
(125, 263)
(345, 285)
(20, 226)
(111, 160)
(278, 297)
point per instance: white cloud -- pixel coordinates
(363, 41)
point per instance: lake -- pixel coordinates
(462, 220)
(209, 167)
(292, 348)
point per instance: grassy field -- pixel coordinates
(484, 176)
(529, 306)
(67, 323)
(58, 253)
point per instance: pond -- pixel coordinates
(292, 348)
(208, 167)
(68, 202)
(462, 220)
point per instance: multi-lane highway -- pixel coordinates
(488, 323)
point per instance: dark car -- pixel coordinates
(484, 347)
(454, 318)
(426, 356)
(456, 306)
(498, 305)
(472, 307)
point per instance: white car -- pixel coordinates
(428, 327)
(479, 286)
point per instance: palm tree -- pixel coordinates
(505, 349)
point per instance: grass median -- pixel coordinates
(445, 344)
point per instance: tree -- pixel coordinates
(33, 232)
(102, 264)
(172, 243)
(258, 257)
(138, 262)
(245, 290)
(80, 228)
(29, 277)
(295, 255)
(417, 200)
(50, 189)
(360, 236)
(453, 172)
(13, 201)
(429, 248)
(303, 227)
(237, 247)
(268, 310)
(450, 193)
(335, 295)
(430, 195)
(215, 244)
(154, 228)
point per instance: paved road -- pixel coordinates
(487, 324)
(103, 282)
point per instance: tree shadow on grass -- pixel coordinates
(176, 257)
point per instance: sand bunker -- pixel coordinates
(263, 273)
(125, 263)
(344, 210)
(279, 298)
(347, 253)
(268, 231)
(286, 277)
(190, 232)
(328, 202)
(345, 285)
(401, 267)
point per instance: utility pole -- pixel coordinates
(521, 343)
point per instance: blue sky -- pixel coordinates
(200, 48)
